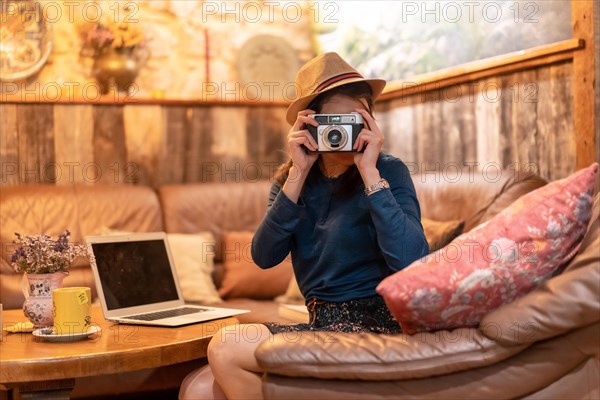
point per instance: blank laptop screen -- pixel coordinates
(134, 273)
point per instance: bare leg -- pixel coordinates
(231, 358)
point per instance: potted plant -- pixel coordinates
(45, 263)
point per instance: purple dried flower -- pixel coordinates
(18, 253)
(62, 243)
(40, 254)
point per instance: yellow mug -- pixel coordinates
(72, 310)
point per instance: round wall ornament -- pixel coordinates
(26, 39)
(267, 66)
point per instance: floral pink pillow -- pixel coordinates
(496, 262)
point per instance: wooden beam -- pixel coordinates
(481, 69)
(19, 98)
(584, 85)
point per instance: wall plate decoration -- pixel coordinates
(267, 66)
(25, 39)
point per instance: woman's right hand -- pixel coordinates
(300, 138)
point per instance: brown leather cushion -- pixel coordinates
(554, 369)
(440, 233)
(471, 196)
(365, 356)
(243, 278)
(215, 207)
(83, 209)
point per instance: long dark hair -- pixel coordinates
(350, 180)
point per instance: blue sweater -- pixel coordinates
(343, 247)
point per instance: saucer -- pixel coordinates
(46, 334)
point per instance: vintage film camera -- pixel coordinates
(336, 132)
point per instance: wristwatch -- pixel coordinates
(376, 187)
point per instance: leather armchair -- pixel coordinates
(545, 345)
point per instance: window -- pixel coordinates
(400, 39)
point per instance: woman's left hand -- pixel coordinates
(370, 139)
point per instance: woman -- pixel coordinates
(349, 220)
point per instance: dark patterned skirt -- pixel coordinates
(354, 316)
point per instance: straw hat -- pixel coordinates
(323, 73)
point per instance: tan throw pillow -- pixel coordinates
(243, 278)
(293, 295)
(193, 256)
(440, 233)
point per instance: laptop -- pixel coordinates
(137, 282)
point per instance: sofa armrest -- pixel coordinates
(557, 368)
(335, 355)
(564, 303)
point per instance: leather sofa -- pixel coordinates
(545, 345)
(472, 197)
(90, 209)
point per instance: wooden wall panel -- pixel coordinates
(9, 145)
(175, 137)
(565, 160)
(459, 139)
(522, 119)
(518, 123)
(73, 143)
(229, 142)
(487, 123)
(110, 148)
(546, 127)
(143, 143)
(398, 126)
(418, 112)
(556, 143)
(35, 130)
(518, 118)
(200, 163)
(43, 131)
(432, 137)
(266, 143)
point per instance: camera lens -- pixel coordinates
(334, 137)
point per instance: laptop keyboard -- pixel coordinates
(176, 312)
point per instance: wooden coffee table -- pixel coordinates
(38, 368)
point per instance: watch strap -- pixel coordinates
(376, 187)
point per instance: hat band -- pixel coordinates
(335, 79)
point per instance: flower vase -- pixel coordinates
(116, 67)
(38, 297)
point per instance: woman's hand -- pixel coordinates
(298, 138)
(370, 139)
